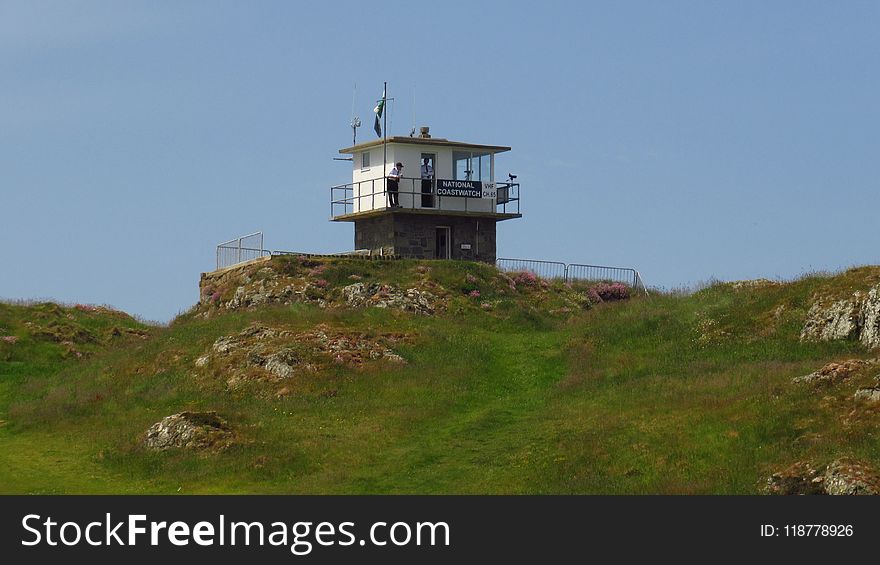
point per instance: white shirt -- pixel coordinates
(427, 172)
(394, 172)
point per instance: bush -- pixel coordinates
(526, 278)
(608, 292)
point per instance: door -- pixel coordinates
(444, 243)
(428, 184)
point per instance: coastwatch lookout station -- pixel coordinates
(443, 203)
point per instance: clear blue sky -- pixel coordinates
(688, 139)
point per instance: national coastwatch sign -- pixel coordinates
(465, 188)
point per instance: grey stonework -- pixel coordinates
(414, 236)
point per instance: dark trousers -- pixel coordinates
(392, 193)
(427, 193)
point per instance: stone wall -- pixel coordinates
(414, 235)
(375, 234)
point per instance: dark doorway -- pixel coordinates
(443, 243)
(427, 174)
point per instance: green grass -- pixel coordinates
(671, 394)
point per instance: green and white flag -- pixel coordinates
(380, 107)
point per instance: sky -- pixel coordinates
(691, 140)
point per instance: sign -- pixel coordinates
(464, 188)
(488, 190)
(465, 246)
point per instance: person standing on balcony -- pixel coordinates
(427, 183)
(393, 179)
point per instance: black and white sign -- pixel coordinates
(463, 188)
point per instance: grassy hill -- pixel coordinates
(335, 377)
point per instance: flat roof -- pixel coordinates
(429, 141)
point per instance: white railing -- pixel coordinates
(240, 249)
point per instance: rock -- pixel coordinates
(842, 477)
(751, 284)
(871, 394)
(800, 478)
(388, 296)
(857, 317)
(283, 363)
(849, 477)
(282, 392)
(10, 339)
(836, 322)
(272, 354)
(833, 373)
(189, 430)
(870, 319)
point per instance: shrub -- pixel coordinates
(321, 283)
(608, 292)
(474, 293)
(526, 278)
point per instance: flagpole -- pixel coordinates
(384, 132)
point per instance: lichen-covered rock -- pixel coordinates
(752, 284)
(275, 354)
(833, 373)
(844, 476)
(849, 477)
(870, 319)
(189, 430)
(388, 296)
(868, 394)
(838, 321)
(857, 317)
(800, 478)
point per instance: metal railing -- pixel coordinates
(372, 194)
(575, 271)
(544, 269)
(240, 249)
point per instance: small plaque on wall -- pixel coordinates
(465, 245)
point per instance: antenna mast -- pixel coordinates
(412, 131)
(355, 121)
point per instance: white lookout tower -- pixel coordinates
(443, 208)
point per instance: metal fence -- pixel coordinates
(248, 247)
(240, 249)
(544, 269)
(575, 271)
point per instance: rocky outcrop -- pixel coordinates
(800, 478)
(275, 354)
(388, 296)
(834, 373)
(752, 284)
(189, 430)
(868, 394)
(842, 477)
(849, 477)
(869, 319)
(302, 282)
(857, 317)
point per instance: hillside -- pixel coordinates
(307, 375)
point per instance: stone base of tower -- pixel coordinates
(427, 236)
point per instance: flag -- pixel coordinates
(380, 107)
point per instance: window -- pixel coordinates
(365, 160)
(472, 166)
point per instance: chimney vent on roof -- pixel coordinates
(423, 132)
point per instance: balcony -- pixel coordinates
(353, 201)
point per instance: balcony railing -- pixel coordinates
(372, 195)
